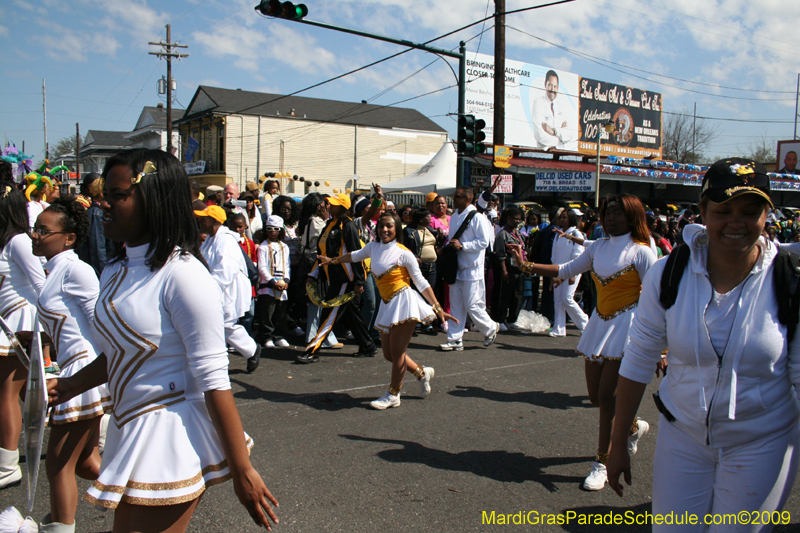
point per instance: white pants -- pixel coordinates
(565, 303)
(237, 337)
(690, 476)
(468, 296)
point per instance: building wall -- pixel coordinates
(317, 151)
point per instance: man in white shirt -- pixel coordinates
(228, 268)
(468, 294)
(553, 122)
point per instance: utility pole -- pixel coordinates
(167, 53)
(499, 133)
(78, 152)
(796, 99)
(44, 111)
(694, 132)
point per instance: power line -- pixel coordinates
(602, 62)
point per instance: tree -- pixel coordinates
(65, 146)
(685, 138)
(762, 150)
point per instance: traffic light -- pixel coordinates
(283, 10)
(471, 135)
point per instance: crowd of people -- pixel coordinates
(139, 357)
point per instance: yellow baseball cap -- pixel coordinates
(213, 211)
(340, 199)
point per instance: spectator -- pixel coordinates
(508, 279)
(421, 241)
(96, 250)
(274, 272)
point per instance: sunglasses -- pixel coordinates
(455, 196)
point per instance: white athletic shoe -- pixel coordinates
(516, 327)
(269, 344)
(282, 343)
(633, 440)
(597, 478)
(554, 334)
(503, 327)
(425, 382)
(491, 337)
(450, 346)
(386, 401)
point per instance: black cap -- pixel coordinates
(729, 178)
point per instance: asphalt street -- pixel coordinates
(508, 429)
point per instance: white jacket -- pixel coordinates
(747, 393)
(565, 250)
(477, 237)
(227, 266)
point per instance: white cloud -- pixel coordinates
(3, 31)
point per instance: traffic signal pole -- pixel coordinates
(461, 55)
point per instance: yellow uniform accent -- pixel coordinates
(618, 292)
(392, 281)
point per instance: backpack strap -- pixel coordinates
(786, 274)
(463, 227)
(672, 274)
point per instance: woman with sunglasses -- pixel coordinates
(66, 311)
(175, 429)
(22, 279)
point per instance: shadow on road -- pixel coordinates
(550, 400)
(498, 465)
(323, 401)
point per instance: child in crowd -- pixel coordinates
(238, 223)
(274, 274)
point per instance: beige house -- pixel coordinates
(243, 135)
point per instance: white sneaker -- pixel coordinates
(269, 344)
(298, 332)
(425, 381)
(597, 478)
(503, 327)
(282, 343)
(554, 334)
(490, 339)
(633, 440)
(386, 401)
(516, 327)
(450, 346)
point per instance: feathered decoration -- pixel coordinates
(21, 164)
(149, 168)
(40, 178)
(11, 521)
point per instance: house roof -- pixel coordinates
(156, 117)
(235, 101)
(105, 139)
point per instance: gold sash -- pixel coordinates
(393, 281)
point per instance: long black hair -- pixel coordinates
(280, 200)
(74, 218)
(13, 212)
(167, 205)
(398, 226)
(308, 209)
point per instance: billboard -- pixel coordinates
(541, 103)
(635, 113)
(549, 108)
(787, 157)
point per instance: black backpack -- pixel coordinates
(786, 273)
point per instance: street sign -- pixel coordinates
(502, 156)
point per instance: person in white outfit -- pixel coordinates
(176, 430)
(66, 311)
(274, 273)
(394, 266)
(618, 265)
(728, 439)
(564, 251)
(228, 268)
(22, 278)
(468, 293)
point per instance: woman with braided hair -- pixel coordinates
(393, 266)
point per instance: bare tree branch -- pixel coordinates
(685, 139)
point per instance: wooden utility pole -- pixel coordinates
(167, 53)
(78, 152)
(499, 131)
(44, 111)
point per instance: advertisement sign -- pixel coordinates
(502, 156)
(506, 185)
(551, 109)
(541, 103)
(565, 181)
(198, 167)
(787, 157)
(635, 114)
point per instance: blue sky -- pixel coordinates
(94, 57)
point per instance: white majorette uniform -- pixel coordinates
(618, 266)
(393, 265)
(227, 266)
(66, 311)
(564, 251)
(21, 280)
(162, 333)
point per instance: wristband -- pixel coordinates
(376, 203)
